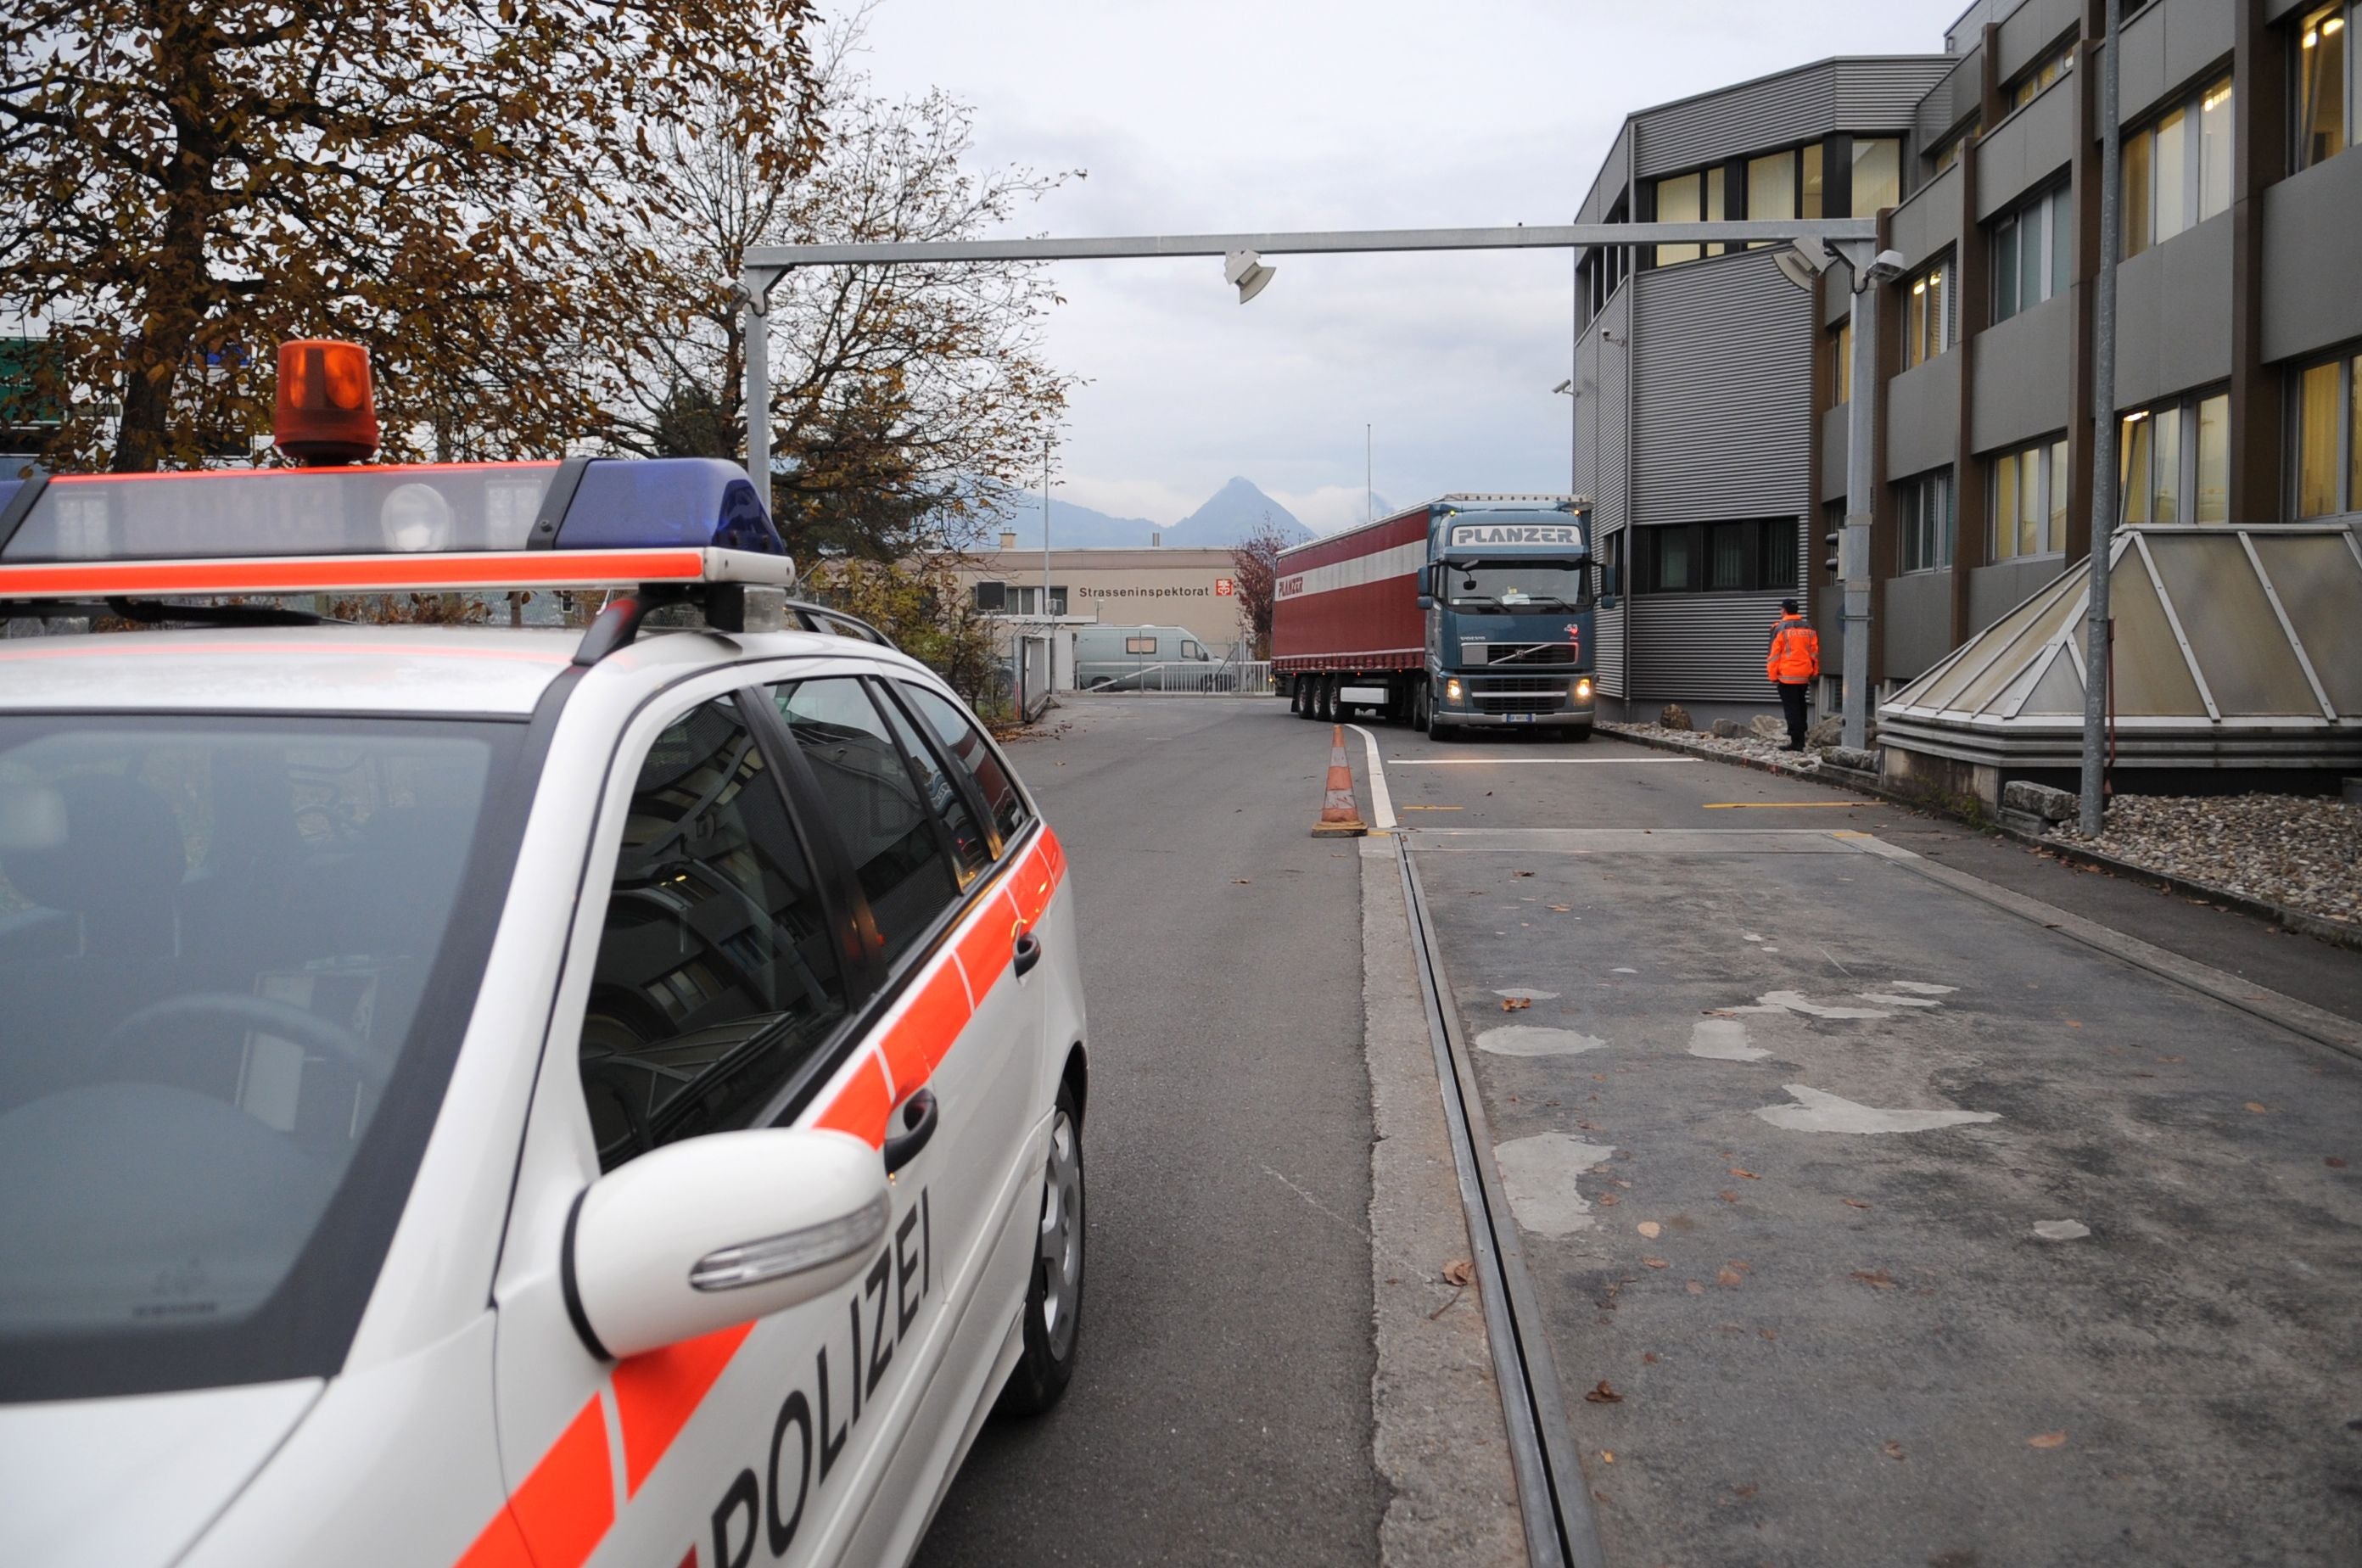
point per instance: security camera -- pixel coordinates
(1887, 266)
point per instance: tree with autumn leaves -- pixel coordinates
(1254, 560)
(530, 212)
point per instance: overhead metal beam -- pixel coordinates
(773, 260)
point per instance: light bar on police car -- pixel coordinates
(431, 527)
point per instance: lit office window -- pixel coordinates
(2173, 461)
(1924, 509)
(2029, 501)
(1926, 323)
(2328, 437)
(1809, 184)
(1946, 156)
(2041, 74)
(1772, 186)
(2325, 118)
(1877, 174)
(1841, 363)
(2033, 249)
(1694, 197)
(2177, 170)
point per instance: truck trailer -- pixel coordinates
(1468, 612)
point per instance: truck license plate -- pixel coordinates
(1518, 718)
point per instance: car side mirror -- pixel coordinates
(710, 1232)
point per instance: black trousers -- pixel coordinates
(1791, 699)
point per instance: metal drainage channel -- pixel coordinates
(1552, 1497)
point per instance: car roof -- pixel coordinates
(362, 669)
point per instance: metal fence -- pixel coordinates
(1033, 677)
(1192, 678)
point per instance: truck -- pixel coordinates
(1469, 612)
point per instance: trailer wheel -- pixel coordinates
(1327, 690)
(1420, 716)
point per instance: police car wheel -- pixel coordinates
(1054, 1299)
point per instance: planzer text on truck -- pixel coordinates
(1471, 610)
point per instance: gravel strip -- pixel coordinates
(2303, 852)
(1758, 750)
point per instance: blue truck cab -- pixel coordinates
(1508, 596)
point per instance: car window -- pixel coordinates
(236, 956)
(888, 833)
(971, 853)
(715, 979)
(967, 745)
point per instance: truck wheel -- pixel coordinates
(1295, 697)
(1420, 718)
(1324, 691)
(1305, 701)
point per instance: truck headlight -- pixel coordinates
(1583, 689)
(1452, 691)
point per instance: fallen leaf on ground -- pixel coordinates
(1516, 1004)
(1876, 1277)
(1243, 881)
(2255, 1106)
(1742, 1491)
(1561, 909)
(1523, 873)
(1604, 1395)
(1656, 1263)
(2047, 1439)
(1694, 1287)
(1649, 1229)
(1608, 1456)
(1855, 1203)
(1727, 1197)
(1894, 1449)
(1607, 1199)
(1458, 1271)
(1649, 1357)
(1749, 1176)
(2332, 1162)
(1729, 1277)
(1768, 1333)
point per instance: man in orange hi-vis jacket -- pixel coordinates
(1794, 664)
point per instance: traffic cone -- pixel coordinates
(1339, 818)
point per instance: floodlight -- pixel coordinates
(1245, 270)
(1887, 266)
(1802, 260)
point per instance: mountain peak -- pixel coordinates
(1233, 512)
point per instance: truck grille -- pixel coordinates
(1539, 703)
(1532, 653)
(1485, 685)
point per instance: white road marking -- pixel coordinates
(1539, 1174)
(1921, 987)
(1621, 970)
(1382, 804)
(1722, 1040)
(1528, 992)
(1534, 1040)
(1888, 999)
(1793, 1002)
(2061, 1229)
(1534, 761)
(1817, 1112)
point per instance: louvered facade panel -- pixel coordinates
(1723, 406)
(1607, 649)
(1884, 92)
(1795, 106)
(1702, 647)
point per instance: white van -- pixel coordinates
(1123, 658)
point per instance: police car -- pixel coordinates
(507, 1098)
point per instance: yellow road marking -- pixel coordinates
(1435, 808)
(1781, 806)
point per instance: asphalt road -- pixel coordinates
(1780, 1120)
(1220, 1410)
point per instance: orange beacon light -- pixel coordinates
(325, 415)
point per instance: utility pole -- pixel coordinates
(1049, 627)
(1853, 546)
(2104, 442)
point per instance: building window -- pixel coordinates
(2173, 461)
(1841, 363)
(1943, 157)
(1924, 508)
(1016, 598)
(2177, 170)
(2032, 249)
(2328, 438)
(2029, 501)
(1877, 174)
(2041, 74)
(2325, 102)
(1926, 326)
(1753, 556)
(1694, 197)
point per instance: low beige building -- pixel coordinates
(1195, 589)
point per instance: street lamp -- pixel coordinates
(1246, 271)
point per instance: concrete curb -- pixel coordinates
(2335, 933)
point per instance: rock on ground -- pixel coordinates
(2303, 852)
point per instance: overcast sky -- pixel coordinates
(1195, 115)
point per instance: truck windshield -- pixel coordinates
(1497, 587)
(237, 955)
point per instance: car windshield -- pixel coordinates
(237, 955)
(1493, 585)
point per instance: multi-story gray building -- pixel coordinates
(1715, 434)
